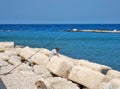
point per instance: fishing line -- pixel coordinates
(34, 54)
(54, 40)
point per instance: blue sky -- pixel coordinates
(59, 11)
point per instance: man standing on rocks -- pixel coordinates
(54, 52)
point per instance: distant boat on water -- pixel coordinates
(8, 30)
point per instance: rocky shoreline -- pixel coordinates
(63, 72)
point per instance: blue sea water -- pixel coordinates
(102, 48)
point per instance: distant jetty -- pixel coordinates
(99, 31)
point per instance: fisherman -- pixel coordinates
(54, 52)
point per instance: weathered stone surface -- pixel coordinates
(42, 71)
(16, 57)
(6, 69)
(24, 67)
(26, 52)
(14, 60)
(27, 73)
(45, 51)
(113, 74)
(10, 53)
(93, 66)
(107, 79)
(4, 56)
(69, 59)
(102, 85)
(6, 44)
(20, 81)
(18, 50)
(87, 77)
(60, 67)
(113, 84)
(3, 63)
(61, 83)
(39, 58)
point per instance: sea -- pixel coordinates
(102, 48)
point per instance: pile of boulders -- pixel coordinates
(29, 68)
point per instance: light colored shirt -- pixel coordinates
(53, 52)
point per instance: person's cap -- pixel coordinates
(57, 48)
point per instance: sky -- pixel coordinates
(59, 11)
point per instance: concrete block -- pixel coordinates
(94, 66)
(24, 67)
(87, 77)
(10, 53)
(18, 50)
(60, 83)
(60, 67)
(102, 85)
(113, 74)
(42, 71)
(4, 56)
(39, 58)
(6, 44)
(113, 84)
(13, 60)
(26, 52)
(45, 51)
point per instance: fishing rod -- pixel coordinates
(33, 54)
(54, 40)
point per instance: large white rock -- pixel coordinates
(18, 50)
(113, 74)
(26, 52)
(39, 58)
(6, 44)
(93, 66)
(42, 71)
(20, 80)
(60, 67)
(27, 73)
(45, 51)
(113, 84)
(73, 61)
(14, 60)
(102, 85)
(24, 67)
(60, 83)
(10, 53)
(87, 77)
(5, 69)
(16, 57)
(3, 63)
(4, 56)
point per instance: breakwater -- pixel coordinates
(99, 31)
(36, 71)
